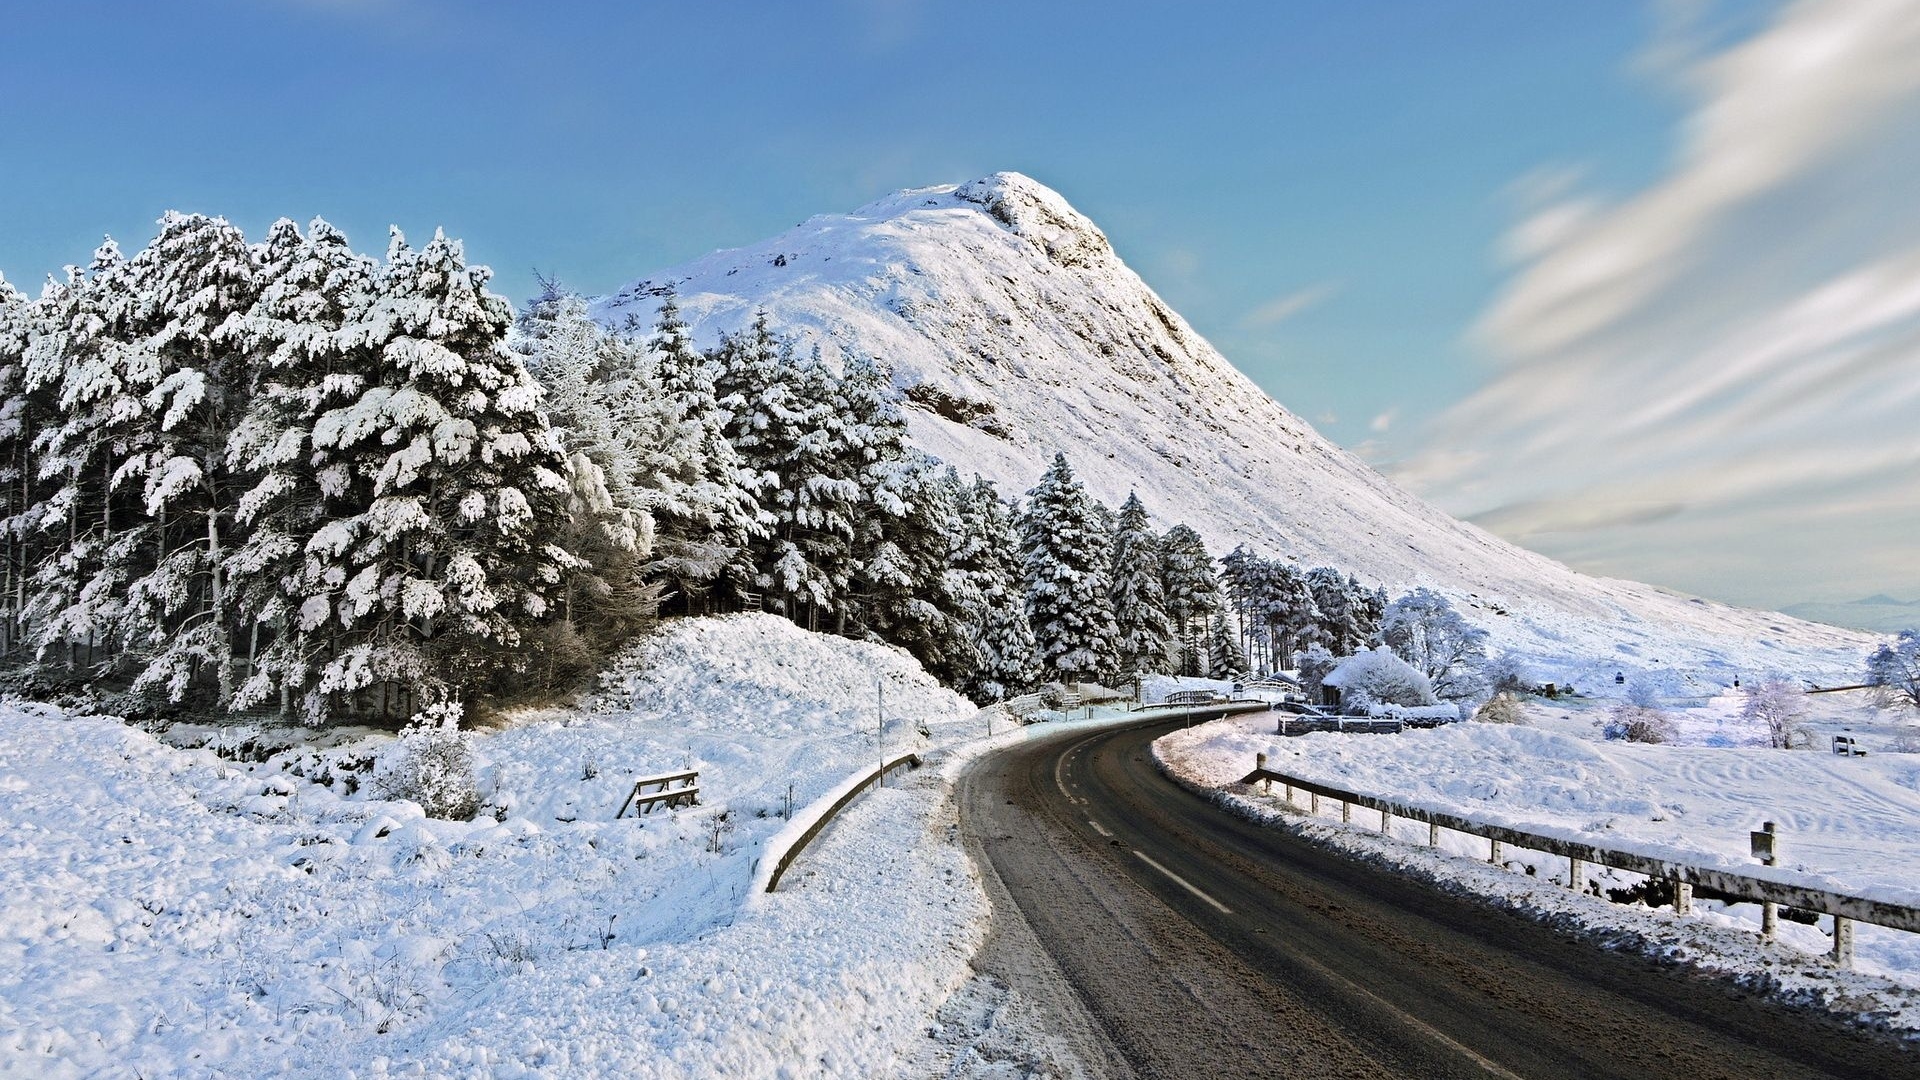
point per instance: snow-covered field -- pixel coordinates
(165, 911)
(1854, 822)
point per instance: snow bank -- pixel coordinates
(1852, 822)
(164, 912)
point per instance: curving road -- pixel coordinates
(1178, 940)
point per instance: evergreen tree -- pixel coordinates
(22, 415)
(913, 592)
(1192, 594)
(706, 514)
(196, 276)
(77, 595)
(436, 561)
(1337, 626)
(988, 553)
(1224, 658)
(1143, 636)
(308, 356)
(1064, 551)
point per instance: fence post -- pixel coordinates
(1493, 851)
(1682, 897)
(1433, 834)
(1842, 942)
(1386, 822)
(1573, 874)
(1314, 798)
(1260, 764)
(1346, 812)
(1769, 920)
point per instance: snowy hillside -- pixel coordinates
(1016, 331)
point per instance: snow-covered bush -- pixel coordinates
(1638, 723)
(1378, 677)
(1508, 673)
(1501, 708)
(1775, 705)
(1315, 664)
(431, 764)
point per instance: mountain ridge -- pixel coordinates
(1015, 330)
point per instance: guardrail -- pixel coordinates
(787, 857)
(1771, 887)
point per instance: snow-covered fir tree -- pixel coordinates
(704, 514)
(307, 357)
(76, 602)
(988, 553)
(909, 590)
(1338, 624)
(1143, 637)
(1225, 660)
(21, 414)
(1064, 547)
(1192, 594)
(446, 479)
(197, 276)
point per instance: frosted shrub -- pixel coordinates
(431, 764)
(1378, 677)
(1501, 708)
(1775, 705)
(1638, 723)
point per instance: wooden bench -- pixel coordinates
(1846, 747)
(1070, 701)
(668, 790)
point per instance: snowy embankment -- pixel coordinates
(1854, 822)
(167, 912)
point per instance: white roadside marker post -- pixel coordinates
(1766, 849)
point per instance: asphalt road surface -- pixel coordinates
(1183, 941)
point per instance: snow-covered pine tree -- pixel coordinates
(308, 354)
(1225, 660)
(1296, 616)
(1368, 607)
(446, 563)
(1192, 593)
(705, 514)
(1143, 635)
(22, 415)
(75, 605)
(190, 281)
(988, 553)
(910, 589)
(605, 406)
(777, 419)
(1065, 553)
(1338, 626)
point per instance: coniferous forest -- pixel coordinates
(287, 476)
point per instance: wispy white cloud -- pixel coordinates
(1383, 421)
(1712, 364)
(1286, 306)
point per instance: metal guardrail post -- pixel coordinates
(1682, 898)
(1574, 867)
(1493, 851)
(1842, 942)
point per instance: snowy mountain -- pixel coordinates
(1016, 331)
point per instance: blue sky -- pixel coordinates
(1333, 192)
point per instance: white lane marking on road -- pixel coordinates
(1183, 882)
(1059, 779)
(1099, 828)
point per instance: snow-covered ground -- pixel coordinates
(1853, 822)
(166, 911)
